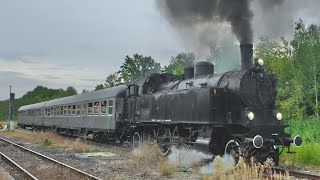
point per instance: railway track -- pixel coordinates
(297, 174)
(33, 165)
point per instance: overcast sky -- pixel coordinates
(59, 43)
(76, 42)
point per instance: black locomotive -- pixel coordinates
(233, 112)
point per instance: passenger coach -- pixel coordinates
(94, 111)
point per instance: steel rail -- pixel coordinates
(51, 159)
(297, 174)
(17, 166)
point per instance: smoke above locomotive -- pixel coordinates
(188, 13)
(204, 24)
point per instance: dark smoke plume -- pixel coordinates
(186, 13)
(203, 24)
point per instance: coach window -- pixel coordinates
(53, 111)
(90, 109)
(61, 111)
(57, 111)
(78, 110)
(50, 109)
(96, 108)
(84, 109)
(110, 107)
(65, 110)
(48, 112)
(74, 110)
(69, 110)
(103, 108)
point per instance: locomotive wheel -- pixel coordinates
(164, 132)
(136, 139)
(234, 149)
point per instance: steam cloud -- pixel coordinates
(206, 23)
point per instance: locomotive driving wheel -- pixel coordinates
(234, 149)
(136, 140)
(164, 137)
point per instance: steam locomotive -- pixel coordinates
(232, 112)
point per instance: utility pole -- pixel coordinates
(10, 109)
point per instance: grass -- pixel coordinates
(51, 139)
(308, 153)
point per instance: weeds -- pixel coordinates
(47, 142)
(52, 139)
(221, 171)
(147, 160)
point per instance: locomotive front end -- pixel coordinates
(266, 130)
(253, 121)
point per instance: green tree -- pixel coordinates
(137, 67)
(306, 56)
(179, 62)
(85, 91)
(99, 87)
(70, 91)
(113, 80)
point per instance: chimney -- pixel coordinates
(246, 56)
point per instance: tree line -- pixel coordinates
(39, 94)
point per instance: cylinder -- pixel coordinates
(246, 56)
(188, 72)
(203, 68)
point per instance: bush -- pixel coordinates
(47, 142)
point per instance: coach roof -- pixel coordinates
(109, 92)
(32, 106)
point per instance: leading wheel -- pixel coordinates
(234, 149)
